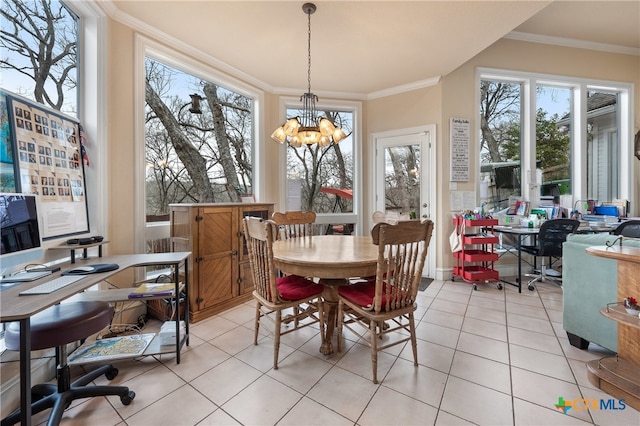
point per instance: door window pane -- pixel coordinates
(402, 179)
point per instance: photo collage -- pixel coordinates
(48, 154)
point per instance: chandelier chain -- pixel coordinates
(309, 52)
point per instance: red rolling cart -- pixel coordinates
(474, 263)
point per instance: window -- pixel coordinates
(312, 169)
(553, 136)
(602, 145)
(553, 140)
(39, 52)
(325, 179)
(500, 141)
(199, 144)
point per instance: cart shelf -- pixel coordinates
(475, 262)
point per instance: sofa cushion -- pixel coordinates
(589, 283)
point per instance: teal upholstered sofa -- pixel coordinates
(589, 283)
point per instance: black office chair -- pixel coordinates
(56, 327)
(628, 228)
(549, 245)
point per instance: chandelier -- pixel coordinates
(308, 129)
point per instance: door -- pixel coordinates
(405, 178)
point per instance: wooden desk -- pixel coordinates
(14, 307)
(620, 375)
(333, 259)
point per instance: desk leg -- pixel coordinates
(25, 371)
(330, 312)
(519, 263)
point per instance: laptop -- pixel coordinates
(25, 277)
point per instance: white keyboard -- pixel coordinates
(53, 285)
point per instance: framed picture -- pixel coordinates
(41, 154)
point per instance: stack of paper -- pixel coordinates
(167, 332)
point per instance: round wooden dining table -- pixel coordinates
(331, 258)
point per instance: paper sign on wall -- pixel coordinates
(460, 134)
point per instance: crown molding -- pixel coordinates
(404, 88)
(150, 31)
(115, 13)
(570, 42)
(288, 91)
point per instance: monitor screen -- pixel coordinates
(21, 239)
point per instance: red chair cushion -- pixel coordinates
(362, 294)
(295, 287)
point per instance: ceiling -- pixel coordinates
(363, 49)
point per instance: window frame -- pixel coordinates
(580, 88)
(355, 108)
(146, 47)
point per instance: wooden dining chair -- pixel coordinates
(365, 307)
(274, 294)
(294, 223)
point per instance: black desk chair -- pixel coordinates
(628, 228)
(55, 327)
(549, 244)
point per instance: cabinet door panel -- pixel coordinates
(217, 231)
(216, 281)
(217, 255)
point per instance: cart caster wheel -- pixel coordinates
(111, 374)
(530, 287)
(126, 400)
(475, 286)
(499, 286)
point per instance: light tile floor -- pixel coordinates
(487, 357)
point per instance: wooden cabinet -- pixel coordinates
(221, 274)
(619, 375)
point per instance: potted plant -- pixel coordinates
(631, 306)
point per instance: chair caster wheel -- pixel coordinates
(453, 278)
(531, 288)
(499, 286)
(111, 374)
(475, 286)
(126, 400)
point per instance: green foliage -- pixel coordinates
(552, 144)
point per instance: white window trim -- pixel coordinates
(145, 47)
(578, 135)
(93, 99)
(288, 102)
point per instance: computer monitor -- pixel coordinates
(19, 226)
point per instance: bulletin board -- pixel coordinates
(42, 148)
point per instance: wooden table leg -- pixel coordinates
(330, 295)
